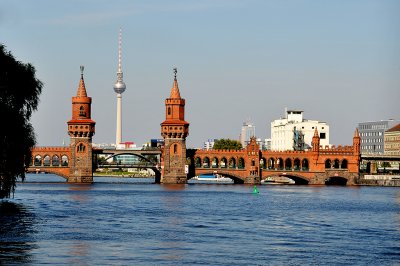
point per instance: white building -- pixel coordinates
(248, 131)
(293, 132)
(209, 144)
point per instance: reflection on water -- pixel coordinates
(16, 233)
(126, 221)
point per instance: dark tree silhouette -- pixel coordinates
(19, 97)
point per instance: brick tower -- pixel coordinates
(81, 130)
(174, 130)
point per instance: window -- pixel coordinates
(81, 148)
(169, 111)
(82, 111)
(322, 135)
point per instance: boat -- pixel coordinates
(212, 178)
(277, 181)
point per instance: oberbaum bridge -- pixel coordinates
(177, 164)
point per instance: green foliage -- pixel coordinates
(385, 164)
(227, 144)
(19, 97)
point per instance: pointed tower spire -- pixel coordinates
(81, 88)
(356, 134)
(315, 141)
(175, 94)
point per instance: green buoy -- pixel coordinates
(255, 190)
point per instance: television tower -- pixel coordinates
(119, 88)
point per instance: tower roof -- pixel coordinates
(356, 134)
(175, 94)
(81, 89)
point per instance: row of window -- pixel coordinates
(372, 147)
(373, 126)
(371, 140)
(371, 134)
(278, 164)
(49, 161)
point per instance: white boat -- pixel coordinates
(212, 178)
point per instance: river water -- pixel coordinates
(119, 221)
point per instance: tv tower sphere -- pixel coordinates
(119, 86)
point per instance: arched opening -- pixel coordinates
(336, 181)
(55, 161)
(224, 163)
(289, 179)
(271, 163)
(304, 165)
(241, 164)
(64, 160)
(197, 163)
(214, 163)
(206, 162)
(288, 164)
(344, 164)
(232, 163)
(46, 160)
(296, 164)
(38, 160)
(328, 164)
(81, 148)
(169, 111)
(263, 163)
(280, 163)
(175, 148)
(336, 164)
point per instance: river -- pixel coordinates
(122, 221)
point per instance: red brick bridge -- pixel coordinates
(77, 161)
(317, 166)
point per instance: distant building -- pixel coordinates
(209, 144)
(267, 144)
(392, 141)
(372, 135)
(248, 131)
(293, 132)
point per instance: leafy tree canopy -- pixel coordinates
(227, 144)
(19, 97)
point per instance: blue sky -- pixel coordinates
(339, 61)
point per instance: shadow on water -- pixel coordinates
(16, 233)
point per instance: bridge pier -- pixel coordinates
(252, 180)
(174, 179)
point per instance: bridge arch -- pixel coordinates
(297, 178)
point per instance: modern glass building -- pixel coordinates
(372, 135)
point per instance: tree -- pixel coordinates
(19, 97)
(227, 144)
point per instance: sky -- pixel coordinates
(338, 61)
